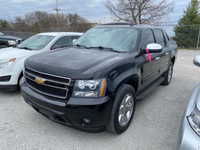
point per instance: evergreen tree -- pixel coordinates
(186, 33)
(3, 24)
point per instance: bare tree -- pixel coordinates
(139, 11)
(77, 23)
(39, 21)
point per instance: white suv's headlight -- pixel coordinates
(89, 88)
(11, 42)
(194, 120)
(6, 63)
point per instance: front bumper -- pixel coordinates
(9, 84)
(187, 139)
(8, 88)
(71, 112)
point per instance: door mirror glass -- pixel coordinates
(154, 48)
(196, 60)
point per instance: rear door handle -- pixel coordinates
(157, 58)
(167, 53)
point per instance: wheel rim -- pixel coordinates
(170, 73)
(125, 110)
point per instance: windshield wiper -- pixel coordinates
(106, 48)
(78, 45)
(27, 48)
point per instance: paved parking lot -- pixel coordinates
(154, 127)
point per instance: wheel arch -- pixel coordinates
(131, 80)
(20, 76)
(173, 59)
(18, 80)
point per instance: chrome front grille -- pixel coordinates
(49, 85)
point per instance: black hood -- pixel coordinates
(76, 63)
(10, 37)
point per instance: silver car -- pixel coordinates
(189, 134)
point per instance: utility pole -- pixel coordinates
(57, 11)
(198, 38)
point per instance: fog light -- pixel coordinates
(86, 121)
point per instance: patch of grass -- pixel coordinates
(191, 48)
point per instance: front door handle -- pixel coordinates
(167, 53)
(157, 58)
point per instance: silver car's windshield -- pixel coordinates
(36, 42)
(119, 39)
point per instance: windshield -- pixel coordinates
(1, 34)
(36, 42)
(119, 39)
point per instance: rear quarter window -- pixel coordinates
(159, 37)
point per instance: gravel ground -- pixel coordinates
(155, 125)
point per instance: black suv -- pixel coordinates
(95, 83)
(9, 41)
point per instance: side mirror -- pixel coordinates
(52, 48)
(196, 61)
(153, 48)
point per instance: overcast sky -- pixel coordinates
(93, 10)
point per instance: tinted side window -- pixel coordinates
(168, 39)
(148, 38)
(159, 37)
(74, 38)
(63, 42)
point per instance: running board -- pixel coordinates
(150, 89)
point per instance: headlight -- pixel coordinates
(194, 120)
(6, 63)
(89, 88)
(12, 42)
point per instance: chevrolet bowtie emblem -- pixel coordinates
(39, 80)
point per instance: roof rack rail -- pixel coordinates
(121, 23)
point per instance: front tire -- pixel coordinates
(168, 75)
(122, 110)
(3, 46)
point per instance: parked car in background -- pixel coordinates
(9, 41)
(95, 83)
(12, 59)
(189, 134)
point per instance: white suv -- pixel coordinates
(12, 59)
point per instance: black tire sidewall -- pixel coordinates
(165, 75)
(3, 46)
(171, 64)
(124, 90)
